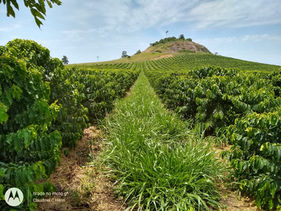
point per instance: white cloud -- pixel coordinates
(126, 15)
(236, 13)
(134, 15)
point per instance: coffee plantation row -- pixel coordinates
(241, 108)
(182, 62)
(44, 107)
(192, 61)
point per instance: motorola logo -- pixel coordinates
(14, 197)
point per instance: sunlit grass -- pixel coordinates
(156, 163)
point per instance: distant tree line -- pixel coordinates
(169, 39)
(125, 55)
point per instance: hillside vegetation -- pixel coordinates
(179, 55)
(181, 62)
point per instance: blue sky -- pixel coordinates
(85, 29)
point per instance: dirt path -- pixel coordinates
(82, 181)
(230, 199)
(163, 56)
(86, 186)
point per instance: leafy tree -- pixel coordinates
(124, 54)
(181, 37)
(64, 60)
(37, 8)
(163, 41)
(66, 90)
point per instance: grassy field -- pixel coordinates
(156, 163)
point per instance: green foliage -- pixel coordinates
(182, 63)
(69, 92)
(30, 151)
(181, 37)
(41, 108)
(242, 108)
(195, 61)
(157, 164)
(37, 8)
(169, 39)
(34, 55)
(275, 79)
(65, 87)
(64, 60)
(102, 87)
(2, 50)
(256, 156)
(186, 51)
(165, 40)
(124, 54)
(1, 192)
(214, 96)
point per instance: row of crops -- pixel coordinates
(240, 108)
(192, 61)
(184, 62)
(44, 107)
(98, 66)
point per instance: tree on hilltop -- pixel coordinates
(124, 54)
(181, 37)
(64, 60)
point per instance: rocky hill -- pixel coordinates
(178, 46)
